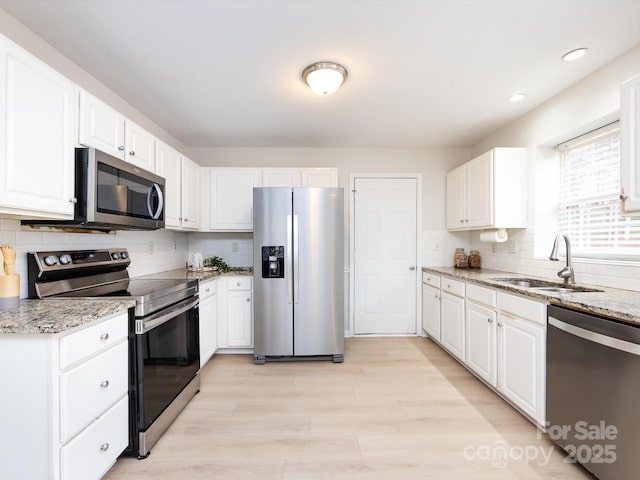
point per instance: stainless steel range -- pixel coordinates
(164, 356)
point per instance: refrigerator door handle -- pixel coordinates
(296, 263)
(289, 259)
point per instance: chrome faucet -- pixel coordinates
(567, 272)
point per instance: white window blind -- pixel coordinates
(589, 205)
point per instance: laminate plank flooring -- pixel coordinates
(398, 408)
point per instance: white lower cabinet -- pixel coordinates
(500, 337)
(452, 325)
(70, 418)
(522, 354)
(235, 312)
(481, 341)
(208, 312)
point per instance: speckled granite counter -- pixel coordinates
(201, 275)
(58, 315)
(623, 305)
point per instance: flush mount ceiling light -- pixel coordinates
(574, 54)
(324, 77)
(516, 97)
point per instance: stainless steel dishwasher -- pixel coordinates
(593, 391)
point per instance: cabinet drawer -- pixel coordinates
(206, 289)
(454, 287)
(481, 295)
(91, 454)
(431, 279)
(523, 308)
(91, 388)
(91, 340)
(239, 283)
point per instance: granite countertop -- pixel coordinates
(618, 304)
(201, 275)
(58, 315)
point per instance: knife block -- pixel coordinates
(9, 291)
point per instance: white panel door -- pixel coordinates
(191, 172)
(456, 197)
(140, 147)
(481, 342)
(480, 191)
(385, 255)
(100, 126)
(431, 311)
(452, 325)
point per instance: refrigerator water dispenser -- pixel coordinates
(273, 261)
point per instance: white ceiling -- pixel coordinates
(421, 73)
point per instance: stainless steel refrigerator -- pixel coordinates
(298, 237)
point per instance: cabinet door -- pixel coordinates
(100, 126)
(169, 166)
(231, 193)
(319, 177)
(521, 364)
(239, 319)
(140, 146)
(481, 342)
(190, 194)
(280, 177)
(36, 137)
(456, 197)
(480, 191)
(208, 329)
(431, 311)
(630, 143)
(452, 324)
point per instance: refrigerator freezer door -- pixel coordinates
(273, 312)
(318, 309)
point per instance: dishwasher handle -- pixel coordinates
(595, 337)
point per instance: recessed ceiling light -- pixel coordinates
(516, 97)
(574, 54)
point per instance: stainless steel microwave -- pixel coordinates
(112, 194)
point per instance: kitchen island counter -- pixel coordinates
(618, 304)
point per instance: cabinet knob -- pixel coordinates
(489, 320)
(466, 219)
(499, 324)
(248, 299)
(238, 284)
(104, 337)
(206, 290)
(186, 219)
(412, 268)
(436, 296)
(121, 148)
(461, 220)
(132, 153)
(104, 447)
(623, 196)
(104, 384)
(73, 200)
(179, 219)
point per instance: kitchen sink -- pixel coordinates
(544, 286)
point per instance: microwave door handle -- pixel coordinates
(155, 215)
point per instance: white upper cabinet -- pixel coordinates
(140, 146)
(489, 191)
(319, 177)
(36, 137)
(231, 198)
(182, 188)
(630, 144)
(102, 127)
(281, 177)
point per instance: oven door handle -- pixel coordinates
(154, 321)
(611, 342)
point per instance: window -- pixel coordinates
(589, 206)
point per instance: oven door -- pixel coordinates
(165, 359)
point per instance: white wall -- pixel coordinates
(592, 102)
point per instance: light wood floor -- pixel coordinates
(398, 408)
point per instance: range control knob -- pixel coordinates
(65, 259)
(50, 260)
(115, 255)
(124, 255)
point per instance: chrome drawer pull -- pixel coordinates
(104, 384)
(104, 336)
(104, 447)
